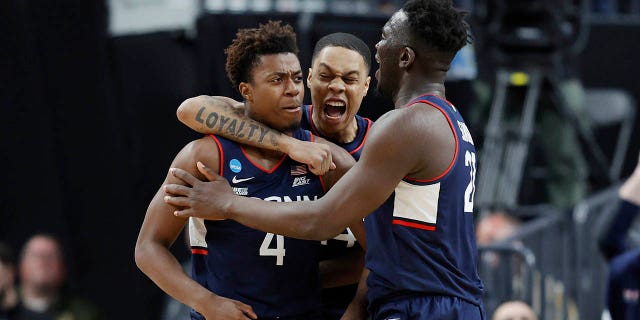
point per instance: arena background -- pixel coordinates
(88, 124)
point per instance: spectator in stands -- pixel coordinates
(496, 226)
(514, 310)
(623, 292)
(42, 280)
(8, 293)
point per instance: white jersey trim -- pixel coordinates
(197, 232)
(417, 202)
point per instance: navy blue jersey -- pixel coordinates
(346, 239)
(335, 300)
(421, 241)
(276, 275)
(354, 147)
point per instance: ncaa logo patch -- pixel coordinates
(235, 165)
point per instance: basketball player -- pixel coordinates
(338, 81)
(239, 272)
(418, 164)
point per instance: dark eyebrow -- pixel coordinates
(282, 74)
(322, 64)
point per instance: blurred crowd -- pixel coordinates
(34, 288)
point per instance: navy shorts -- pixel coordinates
(427, 308)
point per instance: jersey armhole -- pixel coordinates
(455, 138)
(221, 155)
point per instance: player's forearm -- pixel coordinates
(299, 219)
(217, 115)
(359, 232)
(361, 294)
(164, 270)
(357, 309)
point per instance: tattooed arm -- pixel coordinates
(225, 117)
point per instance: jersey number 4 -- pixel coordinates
(470, 161)
(278, 252)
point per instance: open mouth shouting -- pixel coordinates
(334, 109)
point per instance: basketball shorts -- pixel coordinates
(427, 308)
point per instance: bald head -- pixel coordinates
(514, 310)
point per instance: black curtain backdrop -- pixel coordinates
(88, 126)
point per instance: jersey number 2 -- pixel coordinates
(278, 252)
(470, 161)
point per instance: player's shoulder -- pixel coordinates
(199, 148)
(203, 150)
(406, 117)
(409, 126)
(422, 111)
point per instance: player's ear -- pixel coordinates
(407, 56)
(246, 91)
(366, 85)
(309, 78)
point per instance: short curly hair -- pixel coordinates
(437, 24)
(244, 52)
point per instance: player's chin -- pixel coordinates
(291, 126)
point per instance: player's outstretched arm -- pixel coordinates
(160, 229)
(386, 159)
(225, 117)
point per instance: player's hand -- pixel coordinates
(316, 155)
(222, 308)
(201, 199)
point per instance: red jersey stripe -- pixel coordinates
(200, 251)
(413, 225)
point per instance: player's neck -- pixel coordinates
(408, 92)
(265, 158)
(347, 135)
